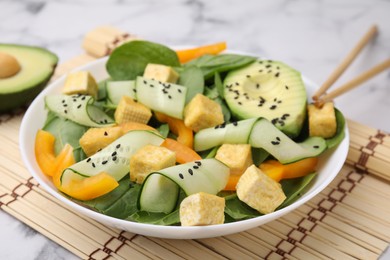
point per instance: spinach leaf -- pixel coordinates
(219, 85)
(129, 60)
(126, 205)
(156, 218)
(164, 130)
(211, 92)
(238, 210)
(340, 134)
(293, 188)
(66, 131)
(225, 110)
(192, 78)
(210, 64)
(259, 155)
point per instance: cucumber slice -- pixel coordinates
(208, 175)
(117, 89)
(260, 133)
(234, 133)
(265, 135)
(114, 159)
(167, 98)
(79, 109)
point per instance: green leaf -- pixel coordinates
(225, 110)
(126, 205)
(130, 59)
(66, 131)
(219, 85)
(156, 218)
(259, 155)
(294, 188)
(238, 210)
(192, 78)
(164, 130)
(209, 64)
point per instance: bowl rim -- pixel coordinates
(175, 232)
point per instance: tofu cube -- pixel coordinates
(259, 191)
(80, 82)
(202, 112)
(238, 157)
(202, 209)
(95, 139)
(129, 110)
(322, 121)
(150, 158)
(161, 73)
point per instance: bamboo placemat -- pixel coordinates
(350, 219)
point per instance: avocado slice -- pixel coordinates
(33, 70)
(268, 89)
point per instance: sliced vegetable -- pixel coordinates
(184, 154)
(208, 175)
(191, 77)
(113, 159)
(117, 89)
(278, 171)
(91, 187)
(177, 126)
(79, 109)
(193, 53)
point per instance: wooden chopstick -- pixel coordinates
(354, 82)
(346, 62)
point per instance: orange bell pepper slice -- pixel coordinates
(190, 54)
(278, 171)
(184, 134)
(184, 154)
(63, 161)
(91, 187)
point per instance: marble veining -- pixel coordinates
(312, 36)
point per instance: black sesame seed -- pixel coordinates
(89, 159)
(235, 123)
(190, 171)
(145, 82)
(114, 153)
(260, 71)
(134, 90)
(99, 150)
(151, 85)
(114, 158)
(195, 167)
(181, 176)
(79, 106)
(63, 101)
(236, 97)
(105, 121)
(105, 133)
(268, 66)
(93, 165)
(275, 99)
(248, 76)
(261, 62)
(286, 87)
(239, 103)
(237, 84)
(277, 74)
(199, 163)
(275, 142)
(118, 146)
(104, 162)
(274, 121)
(278, 138)
(316, 146)
(83, 98)
(216, 127)
(273, 107)
(270, 61)
(65, 105)
(257, 85)
(169, 96)
(179, 90)
(65, 111)
(74, 100)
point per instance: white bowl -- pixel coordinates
(330, 164)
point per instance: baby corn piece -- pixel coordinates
(80, 82)
(129, 110)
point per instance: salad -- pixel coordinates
(191, 137)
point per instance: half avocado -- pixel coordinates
(24, 72)
(268, 89)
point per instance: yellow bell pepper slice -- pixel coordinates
(190, 54)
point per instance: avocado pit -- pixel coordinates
(9, 65)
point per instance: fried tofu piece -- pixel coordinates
(80, 82)
(202, 209)
(238, 157)
(259, 191)
(129, 110)
(95, 139)
(148, 159)
(322, 121)
(161, 73)
(202, 112)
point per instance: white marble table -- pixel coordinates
(311, 36)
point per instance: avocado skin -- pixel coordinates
(13, 100)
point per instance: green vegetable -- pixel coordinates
(191, 77)
(238, 210)
(65, 131)
(210, 64)
(156, 218)
(340, 133)
(129, 60)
